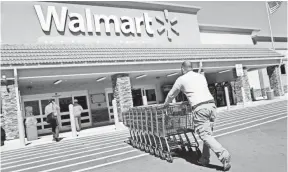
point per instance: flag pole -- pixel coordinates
(268, 14)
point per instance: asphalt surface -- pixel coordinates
(255, 136)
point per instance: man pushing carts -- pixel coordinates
(195, 87)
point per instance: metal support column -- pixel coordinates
(115, 111)
(72, 121)
(227, 98)
(19, 113)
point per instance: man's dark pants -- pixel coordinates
(55, 128)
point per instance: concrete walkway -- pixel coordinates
(15, 144)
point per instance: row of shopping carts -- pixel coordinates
(162, 131)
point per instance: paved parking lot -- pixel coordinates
(255, 136)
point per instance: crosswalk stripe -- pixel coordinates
(63, 154)
(92, 160)
(235, 116)
(245, 118)
(56, 162)
(233, 131)
(250, 122)
(57, 149)
(110, 163)
(64, 142)
(268, 108)
(252, 108)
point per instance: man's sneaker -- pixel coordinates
(203, 161)
(226, 163)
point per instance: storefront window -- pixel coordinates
(44, 103)
(64, 104)
(283, 70)
(110, 98)
(82, 100)
(35, 106)
(151, 95)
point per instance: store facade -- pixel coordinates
(96, 52)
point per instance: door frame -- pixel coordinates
(107, 91)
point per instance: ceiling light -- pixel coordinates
(224, 71)
(140, 76)
(57, 82)
(4, 76)
(101, 79)
(172, 74)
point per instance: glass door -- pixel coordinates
(64, 103)
(150, 93)
(109, 97)
(85, 117)
(137, 97)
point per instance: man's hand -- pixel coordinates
(166, 104)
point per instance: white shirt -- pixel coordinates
(194, 86)
(52, 108)
(77, 109)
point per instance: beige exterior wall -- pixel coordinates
(220, 38)
(26, 27)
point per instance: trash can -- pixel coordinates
(270, 94)
(31, 128)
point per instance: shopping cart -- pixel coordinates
(162, 130)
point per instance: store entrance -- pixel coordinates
(218, 92)
(38, 103)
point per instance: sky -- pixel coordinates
(251, 14)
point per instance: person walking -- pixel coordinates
(77, 109)
(195, 87)
(52, 111)
(3, 136)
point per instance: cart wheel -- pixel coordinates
(169, 157)
(156, 152)
(198, 153)
(143, 146)
(151, 150)
(147, 148)
(162, 155)
(132, 143)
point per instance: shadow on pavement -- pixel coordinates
(192, 158)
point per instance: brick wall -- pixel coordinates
(9, 112)
(274, 78)
(122, 92)
(241, 82)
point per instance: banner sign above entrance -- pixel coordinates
(125, 24)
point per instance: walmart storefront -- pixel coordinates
(98, 51)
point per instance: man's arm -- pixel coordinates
(173, 92)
